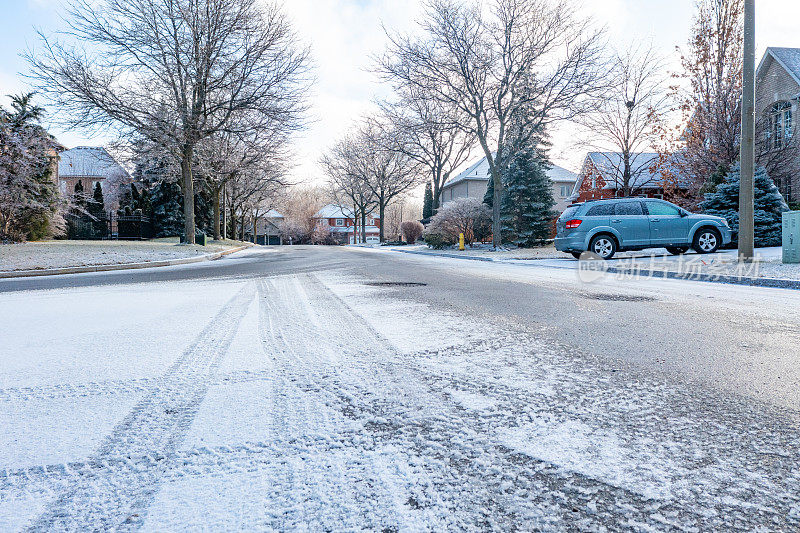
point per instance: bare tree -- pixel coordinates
(348, 172)
(174, 71)
(427, 133)
(711, 103)
(390, 172)
(629, 119)
(224, 156)
(534, 59)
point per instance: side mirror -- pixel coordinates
(684, 213)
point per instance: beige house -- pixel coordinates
(777, 100)
(472, 183)
(90, 165)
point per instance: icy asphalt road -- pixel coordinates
(283, 390)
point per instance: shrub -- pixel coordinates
(464, 215)
(411, 230)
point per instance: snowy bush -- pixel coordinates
(411, 230)
(465, 215)
(323, 235)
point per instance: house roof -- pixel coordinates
(336, 211)
(88, 162)
(788, 58)
(479, 170)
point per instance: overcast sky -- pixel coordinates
(344, 34)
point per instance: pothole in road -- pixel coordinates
(395, 284)
(618, 297)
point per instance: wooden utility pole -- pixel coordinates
(747, 154)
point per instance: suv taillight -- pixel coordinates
(574, 223)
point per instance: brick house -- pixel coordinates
(601, 176)
(473, 182)
(90, 165)
(777, 101)
(341, 223)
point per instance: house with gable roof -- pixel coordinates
(777, 108)
(474, 180)
(90, 165)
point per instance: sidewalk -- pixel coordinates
(720, 267)
(71, 257)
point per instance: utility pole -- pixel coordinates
(747, 145)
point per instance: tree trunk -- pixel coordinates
(381, 211)
(188, 193)
(363, 226)
(216, 213)
(626, 176)
(225, 213)
(497, 238)
(438, 181)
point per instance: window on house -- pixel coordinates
(781, 124)
(340, 222)
(565, 191)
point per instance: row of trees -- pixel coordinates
(210, 91)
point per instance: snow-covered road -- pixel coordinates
(321, 401)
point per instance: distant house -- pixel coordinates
(339, 220)
(777, 106)
(473, 182)
(90, 165)
(268, 229)
(601, 176)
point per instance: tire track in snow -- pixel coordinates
(579, 500)
(102, 499)
(114, 387)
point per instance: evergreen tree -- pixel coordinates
(527, 210)
(768, 203)
(488, 198)
(96, 210)
(166, 199)
(135, 200)
(716, 179)
(427, 203)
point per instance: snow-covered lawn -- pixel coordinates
(62, 254)
(315, 402)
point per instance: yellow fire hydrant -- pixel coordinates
(461, 242)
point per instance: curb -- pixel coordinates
(775, 283)
(455, 256)
(120, 266)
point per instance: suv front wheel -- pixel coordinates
(603, 245)
(706, 241)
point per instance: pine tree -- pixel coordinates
(96, 210)
(488, 198)
(427, 203)
(135, 200)
(167, 210)
(527, 210)
(768, 203)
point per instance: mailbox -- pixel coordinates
(791, 237)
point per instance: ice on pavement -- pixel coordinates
(316, 402)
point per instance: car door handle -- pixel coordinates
(655, 220)
(615, 221)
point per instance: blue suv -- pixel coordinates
(606, 227)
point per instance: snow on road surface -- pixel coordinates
(317, 402)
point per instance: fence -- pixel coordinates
(110, 226)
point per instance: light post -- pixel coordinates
(747, 145)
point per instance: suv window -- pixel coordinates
(601, 210)
(569, 211)
(628, 209)
(662, 209)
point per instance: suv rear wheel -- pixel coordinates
(706, 241)
(603, 245)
